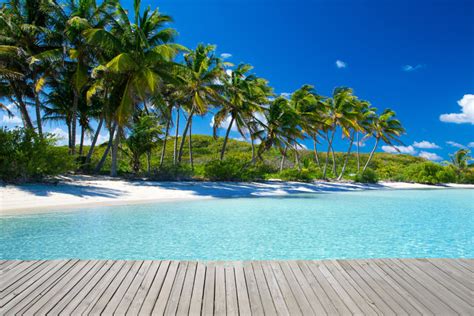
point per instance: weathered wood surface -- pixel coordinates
(369, 287)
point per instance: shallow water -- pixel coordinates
(367, 224)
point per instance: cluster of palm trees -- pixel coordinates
(79, 61)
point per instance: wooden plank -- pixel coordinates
(466, 263)
(17, 277)
(414, 288)
(133, 289)
(231, 291)
(165, 292)
(155, 285)
(87, 282)
(14, 268)
(316, 305)
(176, 289)
(209, 289)
(69, 290)
(119, 294)
(30, 284)
(140, 296)
(445, 267)
(457, 265)
(391, 288)
(444, 294)
(197, 296)
(294, 306)
(373, 296)
(264, 290)
(447, 281)
(28, 297)
(275, 291)
(187, 292)
(255, 300)
(242, 292)
(219, 295)
(57, 291)
(331, 301)
(86, 305)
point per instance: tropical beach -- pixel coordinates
(236, 157)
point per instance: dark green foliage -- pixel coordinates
(368, 176)
(304, 175)
(169, 172)
(425, 172)
(24, 156)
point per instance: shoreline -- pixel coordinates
(76, 192)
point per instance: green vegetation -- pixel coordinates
(79, 61)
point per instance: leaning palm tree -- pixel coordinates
(339, 112)
(460, 159)
(201, 88)
(385, 128)
(366, 115)
(244, 95)
(140, 60)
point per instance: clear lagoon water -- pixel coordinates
(365, 224)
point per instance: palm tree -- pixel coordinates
(202, 86)
(281, 128)
(141, 58)
(244, 95)
(460, 159)
(386, 128)
(338, 113)
(308, 105)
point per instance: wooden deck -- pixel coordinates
(369, 287)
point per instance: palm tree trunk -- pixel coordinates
(334, 167)
(330, 140)
(315, 147)
(226, 138)
(297, 158)
(181, 146)
(371, 154)
(358, 153)
(283, 159)
(69, 135)
(253, 149)
(94, 140)
(38, 115)
(115, 147)
(163, 150)
(148, 162)
(73, 123)
(81, 145)
(106, 152)
(346, 158)
(23, 110)
(175, 150)
(191, 144)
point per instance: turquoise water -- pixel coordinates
(368, 224)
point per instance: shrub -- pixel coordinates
(368, 176)
(447, 175)
(304, 175)
(425, 172)
(24, 156)
(169, 172)
(229, 169)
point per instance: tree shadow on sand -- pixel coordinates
(70, 189)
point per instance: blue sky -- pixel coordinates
(415, 57)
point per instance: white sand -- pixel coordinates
(84, 191)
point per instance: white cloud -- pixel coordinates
(101, 139)
(470, 145)
(430, 156)
(226, 55)
(11, 120)
(454, 144)
(410, 68)
(341, 64)
(425, 145)
(401, 149)
(61, 136)
(467, 112)
(301, 147)
(286, 95)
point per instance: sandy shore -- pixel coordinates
(84, 191)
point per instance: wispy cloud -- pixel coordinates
(425, 145)
(430, 156)
(11, 119)
(286, 95)
(411, 68)
(470, 145)
(226, 55)
(454, 144)
(341, 64)
(467, 112)
(399, 149)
